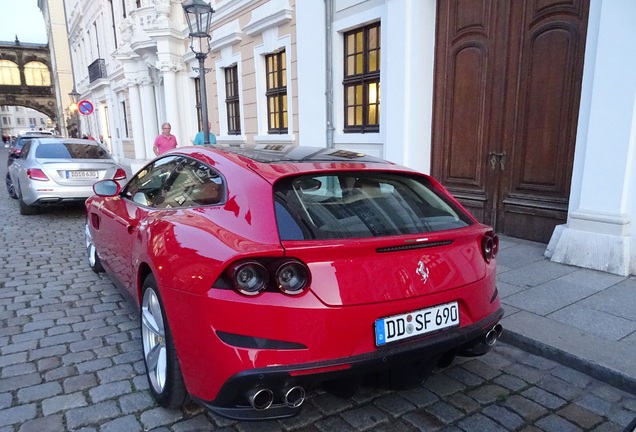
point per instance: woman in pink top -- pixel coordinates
(165, 141)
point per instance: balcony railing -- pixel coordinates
(97, 70)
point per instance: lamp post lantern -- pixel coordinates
(74, 95)
(199, 16)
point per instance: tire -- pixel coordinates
(27, 210)
(10, 187)
(93, 259)
(160, 356)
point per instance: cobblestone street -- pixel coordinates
(71, 359)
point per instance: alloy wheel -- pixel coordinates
(154, 340)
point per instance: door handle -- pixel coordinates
(502, 160)
(495, 157)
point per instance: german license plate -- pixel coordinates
(416, 323)
(81, 174)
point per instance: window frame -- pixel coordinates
(277, 93)
(232, 100)
(365, 79)
(176, 166)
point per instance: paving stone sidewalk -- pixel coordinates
(70, 360)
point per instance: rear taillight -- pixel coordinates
(292, 277)
(120, 174)
(36, 174)
(248, 277)
(251, 277)
(489, 245)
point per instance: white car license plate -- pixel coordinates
(81, 174)
(416, 323)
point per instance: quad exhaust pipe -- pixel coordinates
(263, 398)
(260, 399)
(482, 344)
(294, 397)
(493, 334)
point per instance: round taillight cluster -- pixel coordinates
(490, 245)
(252, 277)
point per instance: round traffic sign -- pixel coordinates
(85, 107)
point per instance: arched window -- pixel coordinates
(9, 73)
(37, 74)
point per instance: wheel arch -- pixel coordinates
(142, 273)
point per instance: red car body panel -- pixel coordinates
(187, 250)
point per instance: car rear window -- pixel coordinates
(70, 151)
(355, 205)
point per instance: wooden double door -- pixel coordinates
(506, 103)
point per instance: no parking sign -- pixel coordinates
(85, 107)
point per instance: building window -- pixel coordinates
(37, 74)
(19, 121)
(276, 72)
(112, 19)
(362, 79)
(197, 98)
(232, 101)
(6, 121)
(9, 73)
(126, 113)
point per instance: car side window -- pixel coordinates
(176, 181)
(193, 184)
(147, 184)
(25, 150)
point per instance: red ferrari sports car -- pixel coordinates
(260, 271)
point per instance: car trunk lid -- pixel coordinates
(365, 271)
(72, 173)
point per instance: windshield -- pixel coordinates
(355, 205)
(70, 151)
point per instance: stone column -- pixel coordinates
(169, 71)
(600, 230)
(136, 119)
(151, 128)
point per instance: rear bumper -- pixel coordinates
(228, 402)
(49, 193)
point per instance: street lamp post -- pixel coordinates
(74, 95)
(199, 16)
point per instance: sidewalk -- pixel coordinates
(582, 318)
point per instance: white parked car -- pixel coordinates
(57, 170)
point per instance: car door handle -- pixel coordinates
(130, 227)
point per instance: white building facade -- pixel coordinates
(285, 71)
(16, 120)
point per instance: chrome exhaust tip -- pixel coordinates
(260, 399)
(493, 334)
(294, 397)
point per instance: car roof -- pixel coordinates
(274, 154)
(275, 161)
(38, 133)
(33, 135)
(57, 140)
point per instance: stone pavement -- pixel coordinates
(70, 354)
(583, 318)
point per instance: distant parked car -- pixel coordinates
(261, 272)
(16, 146)
(50, 171)
(38, 132)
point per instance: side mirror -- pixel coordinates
(14, 155)
(106, 188)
